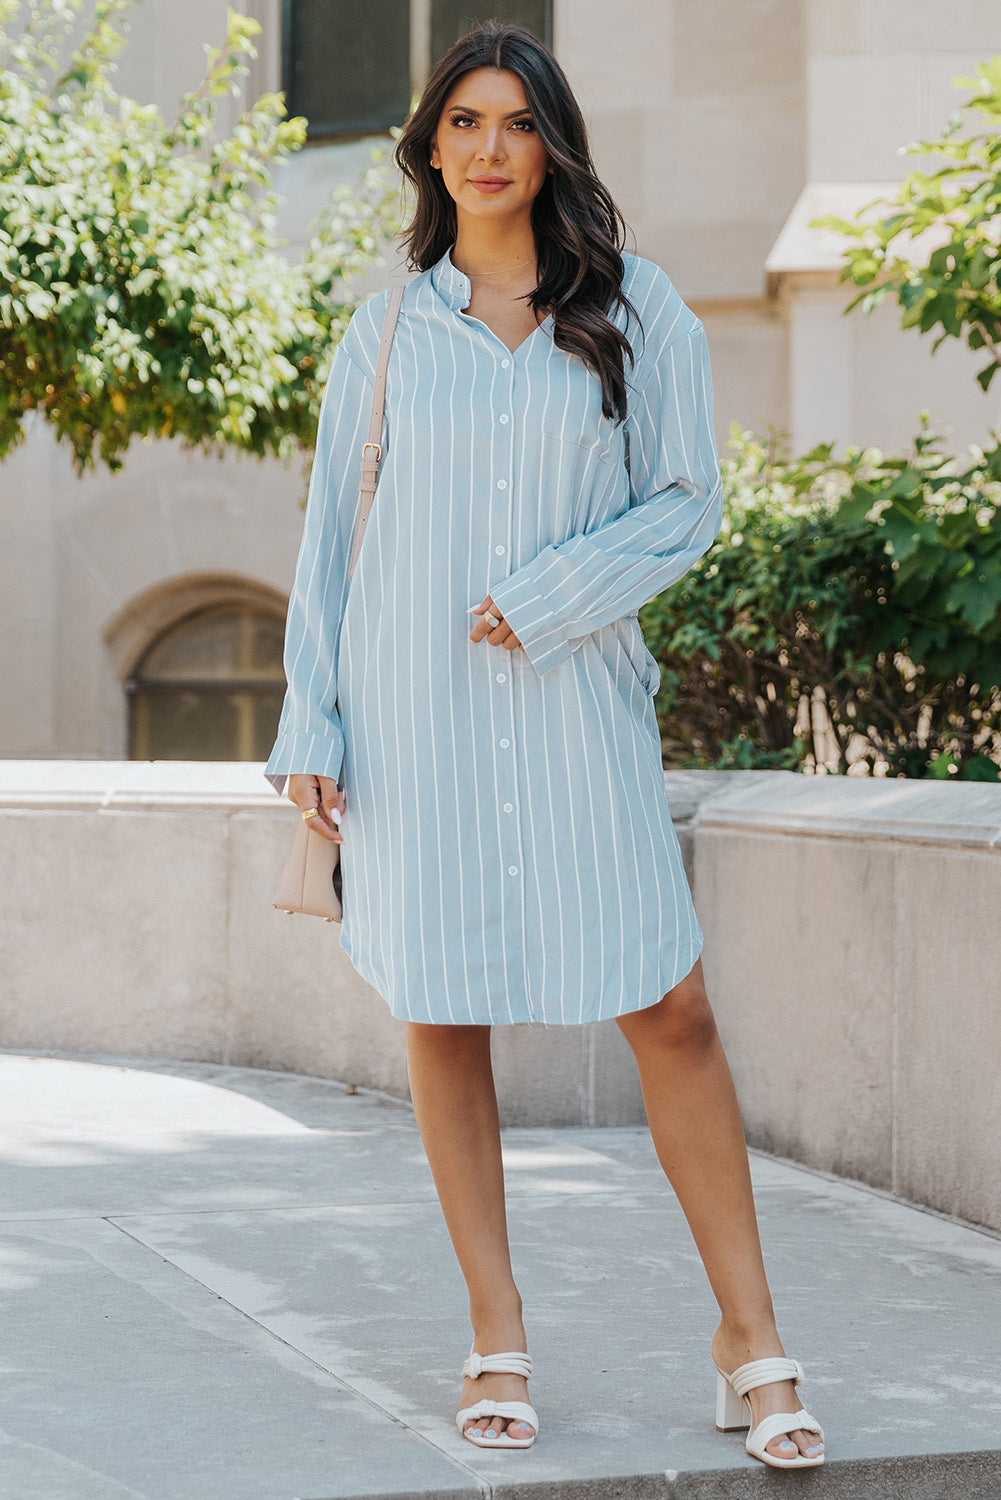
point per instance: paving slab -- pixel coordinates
(222, 1282)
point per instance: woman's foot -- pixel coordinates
(508, 1336)
(729, 1352)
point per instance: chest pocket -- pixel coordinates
(598, 443)
(586, 448)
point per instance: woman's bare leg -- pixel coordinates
(452, 1085)
(695, 1123)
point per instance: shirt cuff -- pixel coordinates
(527, 612)
(300, 753)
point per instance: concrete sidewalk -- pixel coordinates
(226, 1284)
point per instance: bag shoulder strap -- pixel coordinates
(371, 451)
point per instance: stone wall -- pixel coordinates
(852, 954)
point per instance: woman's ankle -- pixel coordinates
(493, 1324)
(749, 1337)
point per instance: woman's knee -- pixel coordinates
(682, 1018)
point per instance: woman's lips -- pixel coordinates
(486, 185)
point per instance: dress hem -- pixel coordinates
(612, 1015)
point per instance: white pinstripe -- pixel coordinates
(598, 918)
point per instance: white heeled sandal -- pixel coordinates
(733, 1410)
(512, 1411)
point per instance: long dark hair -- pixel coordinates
(579, 232)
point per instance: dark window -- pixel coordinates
(209, 688)
(451, 19)
(346, 66)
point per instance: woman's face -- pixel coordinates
(486, 131)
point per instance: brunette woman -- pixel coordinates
(474, 719)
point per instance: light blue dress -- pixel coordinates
(508, 851)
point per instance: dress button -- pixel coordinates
(501, 677)
(505, 363)
(502, 484)
(509, 807)
(503, 416)
(500, 549)
(503, 744)
(512, 869)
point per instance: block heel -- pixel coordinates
(731, 1413)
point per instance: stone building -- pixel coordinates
(141, 613)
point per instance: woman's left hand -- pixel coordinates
(498, 635)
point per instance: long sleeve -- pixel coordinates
(310, 739)
(578, 585)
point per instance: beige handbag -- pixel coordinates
(311, 879)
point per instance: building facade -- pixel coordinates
(141, 613)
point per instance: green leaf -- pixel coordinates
(987, 374)
(980, 768)
(979, 269)
(977, 599)
(856, 505)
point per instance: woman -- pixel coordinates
(473, 721)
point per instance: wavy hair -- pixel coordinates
(579, 232)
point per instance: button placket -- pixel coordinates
(502, 675)
(504, 729)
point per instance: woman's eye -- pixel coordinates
(468, 120)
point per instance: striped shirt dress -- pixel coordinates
(508, 854)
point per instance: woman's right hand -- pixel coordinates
(321, 792)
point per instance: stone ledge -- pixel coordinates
(929, 812)
(172, 784)
(963, 813)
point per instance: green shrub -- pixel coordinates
(848, 615)
(144, 291)
(955, 291)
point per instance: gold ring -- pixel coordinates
(311, 812)
(491, 620)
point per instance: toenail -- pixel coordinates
(490, 1432)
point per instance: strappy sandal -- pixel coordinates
(512, 1411)
(733, 1410)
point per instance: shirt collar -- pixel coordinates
(450, 283)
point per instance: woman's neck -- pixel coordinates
(495, 253)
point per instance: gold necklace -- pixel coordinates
(481, 274)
